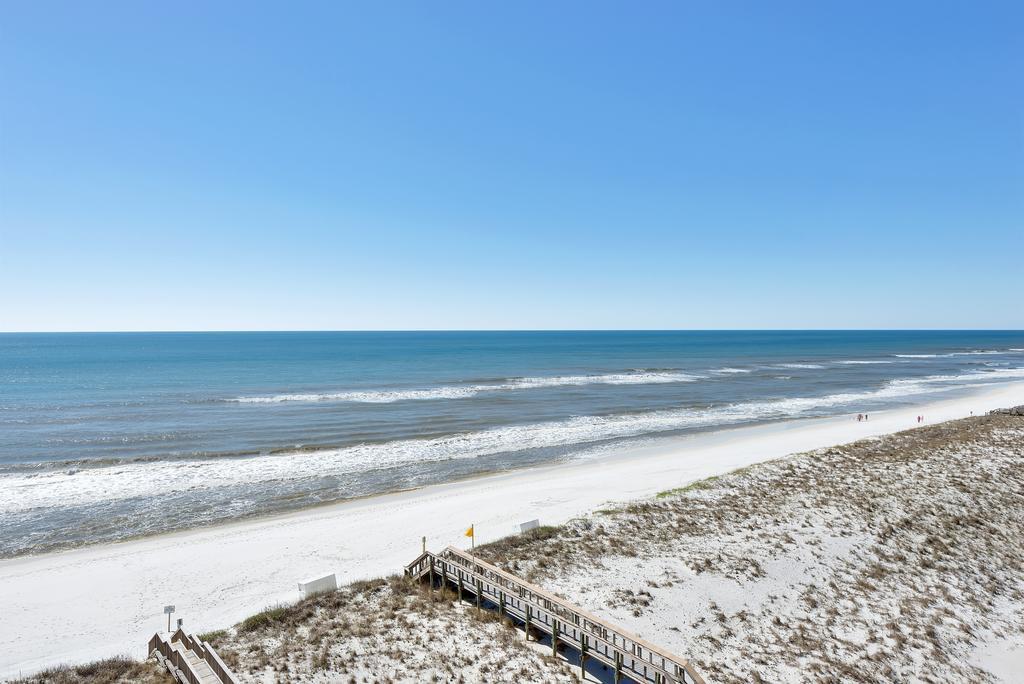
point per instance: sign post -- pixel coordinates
(169, 610)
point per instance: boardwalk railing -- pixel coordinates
(592, 637)
(195, 670)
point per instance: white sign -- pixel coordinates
(317, 585)
(168, 609)
(529, 525)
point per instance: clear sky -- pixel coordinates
(378, 165)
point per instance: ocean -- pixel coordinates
(110, 436)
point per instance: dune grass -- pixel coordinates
(116, 670)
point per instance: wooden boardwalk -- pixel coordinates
(630, 657)
(189, 659)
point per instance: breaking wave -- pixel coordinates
(975, 352)
(384, 396)
(865, 362)
(24, 491)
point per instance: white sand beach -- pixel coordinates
(98, 601)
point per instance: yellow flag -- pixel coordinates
(469, 532)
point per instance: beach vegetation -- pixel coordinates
(116, 670)
(382, 630)
(213, 637)
(706, 483)
(262, 619)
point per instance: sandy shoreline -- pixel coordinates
(218, 575)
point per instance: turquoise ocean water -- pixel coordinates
(104, 436)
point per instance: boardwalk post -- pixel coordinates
(528, 611)
(431, 572)
(583, 657)
(618, 667)
(554, 638)
(501, 604)
(479, 590)
(460, 586)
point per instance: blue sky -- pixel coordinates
(189, 166)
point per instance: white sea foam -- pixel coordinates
(812, 366)
(368, 397)
(635, 378)
(384, 396)
(971, 378)
(980, 352)
(862, 363)
(729, 371)
(975, 352)
(24, 491)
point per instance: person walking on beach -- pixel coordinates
(859, 417)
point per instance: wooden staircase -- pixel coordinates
(189, 659)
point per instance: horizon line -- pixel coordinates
(485, 330)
